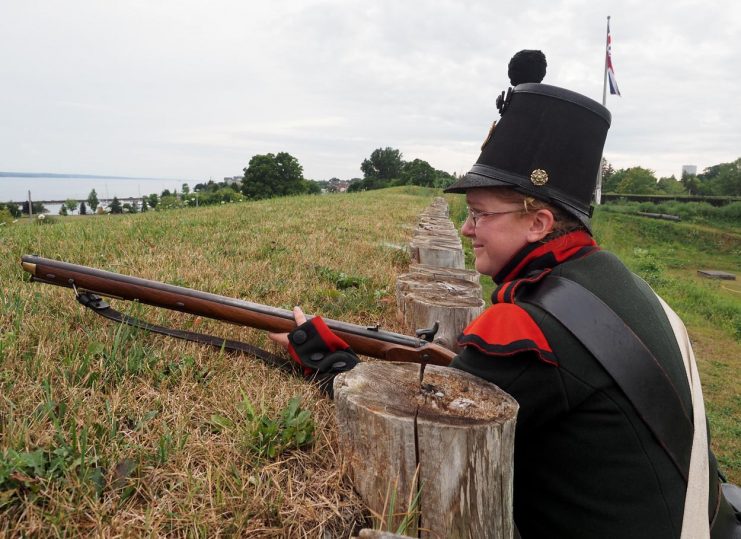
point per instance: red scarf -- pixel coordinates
(505, 328)
(541, 256)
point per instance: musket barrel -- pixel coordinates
(109, 284)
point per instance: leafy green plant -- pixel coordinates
(23, 473)
(340, 279)
(649, 267)
(268, 436)
(44, 219)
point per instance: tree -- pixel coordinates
(418, 172)
(272, 175)
(170, 202)
(637, 181)
(607, 174)
(153, 200)
(722, 180)
(444, 179)
(92, 200)
(63, 210)
(185, 189)
(71, 204)
(367, 184)
(116, 206)
(607, 169)
(671, 186)
(5, 216)
(312, 188)
(691, 183)
(37, 207)
(12, 209)
(83, 208)
(145, 206)
(166, 193)
(383, 164)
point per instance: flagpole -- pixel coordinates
(604, 79)
(598, 187)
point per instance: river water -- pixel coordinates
(16, 188)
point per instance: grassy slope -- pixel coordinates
(146, 434)
(146, 412)
(668, 256)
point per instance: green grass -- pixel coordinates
(106, 430)
(667, 255)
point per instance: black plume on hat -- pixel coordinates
(526, 66)
(547, 144)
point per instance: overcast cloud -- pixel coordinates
(192, 90)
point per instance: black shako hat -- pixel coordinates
(548, 143)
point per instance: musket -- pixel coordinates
(90, 283)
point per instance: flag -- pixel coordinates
(614, 90)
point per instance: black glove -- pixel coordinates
(321, 353)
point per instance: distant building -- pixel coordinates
(232, 180)
(689, 170)
(335, 185)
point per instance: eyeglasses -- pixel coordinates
(474, 215)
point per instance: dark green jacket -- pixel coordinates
(585, 464)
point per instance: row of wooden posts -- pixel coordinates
(430, 446)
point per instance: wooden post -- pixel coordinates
(437, 251)
(436, 241)
(423, 299)
(438, 431)
(442, 274)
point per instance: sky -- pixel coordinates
(193, 89)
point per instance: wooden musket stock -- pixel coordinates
(363, 340)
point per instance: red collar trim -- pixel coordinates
(539, 256)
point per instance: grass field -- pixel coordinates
(109, 431)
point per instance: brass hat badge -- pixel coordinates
(539, 176)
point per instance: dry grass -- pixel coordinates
(128, 418)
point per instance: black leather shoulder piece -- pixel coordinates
(625, 357)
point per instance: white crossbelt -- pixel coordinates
(695, 523)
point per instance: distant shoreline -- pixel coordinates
(86, 176)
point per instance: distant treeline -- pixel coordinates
(281, 174)
(273, 175)
(723, 179)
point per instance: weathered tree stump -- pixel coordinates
(442, 274)
(423, 300)
(454, 314)
(437, 251)
(439, 432)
